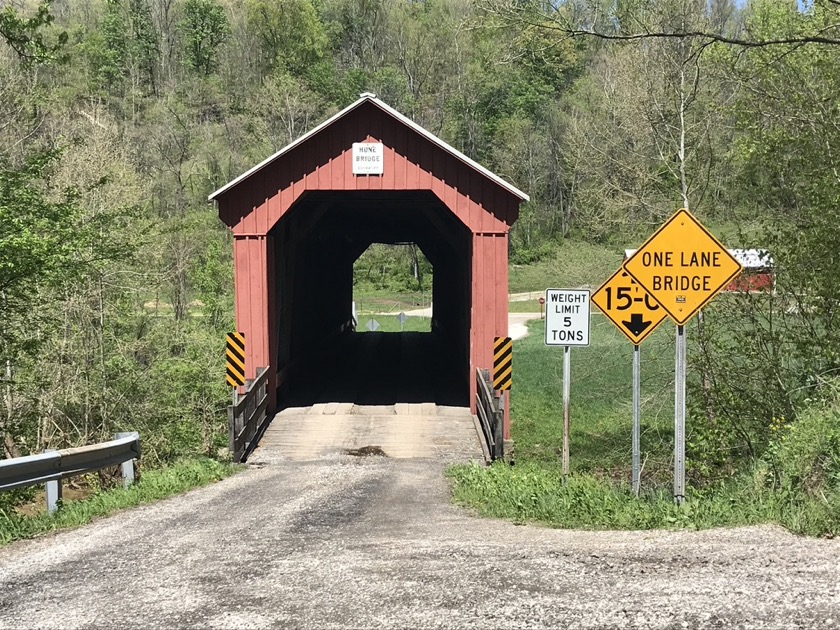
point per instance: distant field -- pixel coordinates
(390, 323)
(601, 402)
(575, 264)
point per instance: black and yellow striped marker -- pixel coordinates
(235, 359)
(502, 363)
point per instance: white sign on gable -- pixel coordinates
(368, 158)
(567, 317)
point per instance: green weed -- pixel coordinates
(796, 483)
(155, 484)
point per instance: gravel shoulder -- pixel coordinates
(373, 542)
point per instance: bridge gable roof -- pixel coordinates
(370, 99)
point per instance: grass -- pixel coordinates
(529, 306)
(532, 492)
(154, 485)
(369, 300)
(597, 493)
(601, 400)
(390, 323)
(574, 264)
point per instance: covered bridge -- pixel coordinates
(303, 216)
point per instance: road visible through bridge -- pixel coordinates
(373, 542)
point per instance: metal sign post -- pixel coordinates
(567, 393)
(502, 382)
(679, 419)
(636, 313)
(637, 418)
(567, 323)
(683, 266)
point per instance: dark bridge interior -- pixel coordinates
(320, 357)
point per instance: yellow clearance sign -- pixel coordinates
(633, 310)
(682, 266)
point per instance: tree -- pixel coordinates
(608, 20)
(26, 35)
(290, 33)
(205, 27)
(785, 345)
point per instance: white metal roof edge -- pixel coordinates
(286, 149)
(450, 149)
(393, 112)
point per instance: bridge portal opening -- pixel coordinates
(321, 355)
(393, 288)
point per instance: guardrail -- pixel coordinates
(490, 415)
(50, 467)
(247, 416)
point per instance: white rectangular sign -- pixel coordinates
(368, 158)
(567, 317)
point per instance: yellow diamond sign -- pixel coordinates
(632, 309)
(682, 266)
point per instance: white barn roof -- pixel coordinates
(749, 258)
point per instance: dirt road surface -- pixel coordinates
(373, 542)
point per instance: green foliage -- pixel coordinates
(205, 27)
(37, 236)
(123, 51)
(796, 483)
(803, 457)
(534, 492)
(785, 346)
(10, 499)
(601, 406)
(106, 49)
(27, 35)
(574, 263)
(290, 33)
(117, 273)
(155, 484)
(392, 268)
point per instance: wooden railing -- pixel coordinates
(247, 416)
(490, 415)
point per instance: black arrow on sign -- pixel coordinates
(636, 325)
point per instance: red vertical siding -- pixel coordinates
(252, 299)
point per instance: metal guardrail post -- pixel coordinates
(491, 415)
(127, 466)
(53, 491)
(247, 417)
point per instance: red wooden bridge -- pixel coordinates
(302, 217)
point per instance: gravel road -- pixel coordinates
(374, 542)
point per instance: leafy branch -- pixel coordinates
(26, 37)
(561, 21)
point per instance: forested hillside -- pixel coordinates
(119, 117)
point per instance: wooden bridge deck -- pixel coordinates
(403, 430)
